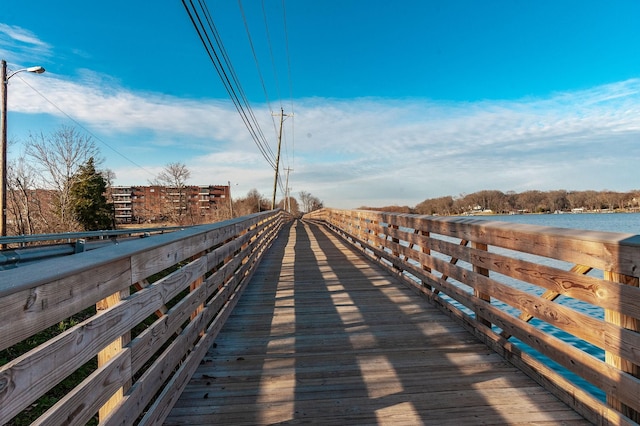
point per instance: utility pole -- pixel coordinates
(275, 180)
(4, 80)
(3, 153)
(230, 201)
(288, 202)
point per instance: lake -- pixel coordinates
(628, 223)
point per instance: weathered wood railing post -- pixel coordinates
(508, 274)
(359, 228)
(143, 362)
(618, 362)
(425, 250)
(480, 295)
(193, 287)
(112, 350)
(249, 241)
(395, 252)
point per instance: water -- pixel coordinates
(626, 223)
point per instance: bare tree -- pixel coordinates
(253, 202)
(109, 176)
(58, 157)
(440, 205)
(557, 201)
(290, 204)
(174, 177)
(533, 201)
(22, 205)
(305, 200)
(309, 202)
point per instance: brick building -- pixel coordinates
(188, 205)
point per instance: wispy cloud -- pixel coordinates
(577, 140)
(19, 46)
(366, 151)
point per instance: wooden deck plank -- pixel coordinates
(322, 335)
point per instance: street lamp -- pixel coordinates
(4, 79)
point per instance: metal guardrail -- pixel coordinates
(210, 265)
(25, 239)
(74, 242)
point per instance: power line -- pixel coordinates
(255, 58)
(286, 38)
(260, 138)
(248, 119)
(210, 38)
(277, 179)
(273, 62)
(277, 80)
(227, 74)
(286, 144)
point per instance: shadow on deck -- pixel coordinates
(323, 335)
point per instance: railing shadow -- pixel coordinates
(326, 365)
(223, 385)
(323, 335)
(425, 384)
(528, 283)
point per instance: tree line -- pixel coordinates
(255, 202)
(533, 201)
(175, 176)
(56, 185)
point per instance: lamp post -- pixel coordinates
(4, 79)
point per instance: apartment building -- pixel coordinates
(149, 204)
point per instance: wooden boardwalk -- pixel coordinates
(322, 335)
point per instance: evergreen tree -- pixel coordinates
(57, 158)
(89, 204)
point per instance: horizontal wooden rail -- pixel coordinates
(138, 319)
(506, 281)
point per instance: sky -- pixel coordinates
(385, 103)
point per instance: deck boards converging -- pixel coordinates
(322, 335)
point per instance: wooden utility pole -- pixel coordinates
(4, 80)
(275, 180)
(230, 201)
(286, 189)
(3, 152)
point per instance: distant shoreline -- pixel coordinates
(618, 211)
(528, 202)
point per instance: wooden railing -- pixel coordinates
(569, 295)
(120, 330)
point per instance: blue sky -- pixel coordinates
(393, 102)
